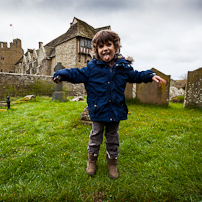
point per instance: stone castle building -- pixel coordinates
(10, 55)
(72, 49)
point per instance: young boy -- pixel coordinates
(105, 78)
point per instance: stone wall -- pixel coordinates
(23, 84)
(66, 54)
(193, 93)
(151, 93)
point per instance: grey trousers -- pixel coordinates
(112, 138)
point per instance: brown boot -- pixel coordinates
(91, 164)
(113, 172)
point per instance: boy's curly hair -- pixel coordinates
(104, 36)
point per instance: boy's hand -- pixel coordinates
(57, 80)
(158, 80)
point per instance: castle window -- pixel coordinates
(85, 46)
(87, 43)
(2, 58)
(2, 45)
(2, 70)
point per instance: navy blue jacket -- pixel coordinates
(105, 86)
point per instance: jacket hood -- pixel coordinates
(130, 59)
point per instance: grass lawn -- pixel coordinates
(43, 154)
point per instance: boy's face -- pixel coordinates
(106, 51)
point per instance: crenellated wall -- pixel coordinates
(10, 55)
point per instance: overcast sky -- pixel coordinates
(164, 34)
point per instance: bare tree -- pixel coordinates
(183, 77)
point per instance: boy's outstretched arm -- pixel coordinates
(158, 80)
(73, 75)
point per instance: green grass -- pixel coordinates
(43, 154)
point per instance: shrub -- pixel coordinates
(178, 99)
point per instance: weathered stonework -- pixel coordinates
(9, 56)
(59, 95)
(72, 49)
(66, 54)
(37, 62)
(151, 93)
(193, 92)
(129, 91)
(84, 116)
(21, 85)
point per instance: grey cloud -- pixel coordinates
(157, 33)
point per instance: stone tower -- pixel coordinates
(10, 55)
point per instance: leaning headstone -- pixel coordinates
(59, 94)
(193, 92)
(152, 94)
(85, 118)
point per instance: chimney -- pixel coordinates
(40, 44)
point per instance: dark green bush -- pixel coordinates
(178, 99)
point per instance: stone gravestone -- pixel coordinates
(151, 93)
(193, 92)
(129, 91)
(85, 118)
(59, 94)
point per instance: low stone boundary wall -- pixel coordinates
(14, 85)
